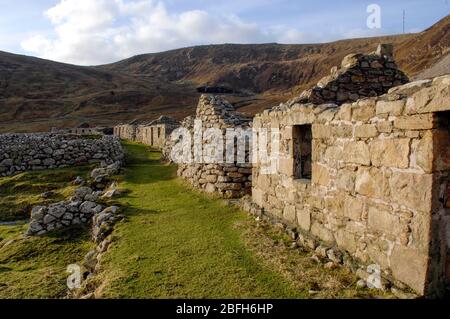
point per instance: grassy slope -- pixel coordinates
(19, 193)
(178, 243)
(36, 267)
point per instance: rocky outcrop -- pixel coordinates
(359, 76)
(25, 152)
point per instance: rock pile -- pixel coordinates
(81, 208)
(24, 152)
(359, 76)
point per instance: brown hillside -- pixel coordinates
(36, 94)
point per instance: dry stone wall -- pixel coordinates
(84, 206)
(359, 76)
(379, 190)
(24, 152)
(229, 180)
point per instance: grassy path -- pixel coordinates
(178, 243)
(174, 243)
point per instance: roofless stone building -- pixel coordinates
(369, 178)
(154, 133)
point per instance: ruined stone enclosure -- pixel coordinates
(370, 178)
(231, 179)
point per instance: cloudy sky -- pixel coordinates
(101, 31)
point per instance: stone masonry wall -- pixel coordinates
(380, 180)
(23, 152)
(153, 134)
(231, 180)
(359, 76)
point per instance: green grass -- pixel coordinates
(178, 243)
(36, 267)
(174, 243)
(19, 193)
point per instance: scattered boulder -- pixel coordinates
(88, 207)
(82, 192)
(79, 181)
(111, 193)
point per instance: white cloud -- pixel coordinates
(101, 31)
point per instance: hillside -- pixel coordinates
(36, 94)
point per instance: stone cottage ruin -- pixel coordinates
(154, 133)
(370, 178)
(231, 179)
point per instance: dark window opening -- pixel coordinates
(302, 138)
(151, 136)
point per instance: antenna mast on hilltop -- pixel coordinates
(404, 19)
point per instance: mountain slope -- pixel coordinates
(36, 94)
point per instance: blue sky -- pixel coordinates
(101, 31)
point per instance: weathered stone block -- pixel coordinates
(286, 166)
(394, 108)
(390, 153)
(416, 122)
(420, 232)
(210, 188)
(383, 221)
(356, 153)
(343, 131)
(320, 175)
(304, 219)
(423, 152)
(378, 256)
(344, 113)
(289, 213)
(353, 208)
(410, 267)
(373, 183)
(385, 126)
(323, 233)
(346, 240)
(434, 98)
(366, 131)
(412, 190)
(211, 178)
(333, 154)
(346, 180)
(364, 111)
(288, 132)
(350, 61)
(322, 131)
